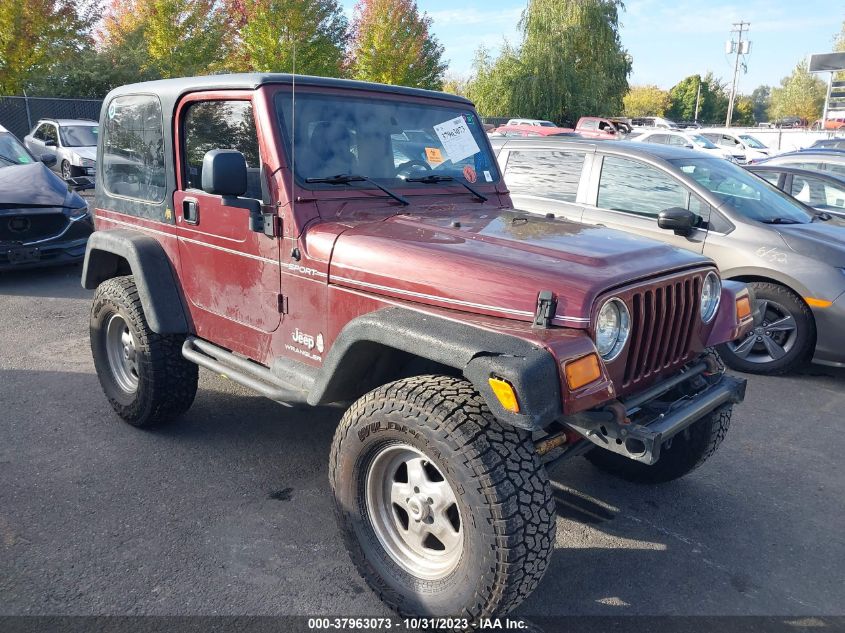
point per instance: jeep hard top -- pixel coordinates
(321, 240)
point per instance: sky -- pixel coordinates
(667, 39)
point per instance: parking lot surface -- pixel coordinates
(228, 510)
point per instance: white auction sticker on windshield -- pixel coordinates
(458, 142)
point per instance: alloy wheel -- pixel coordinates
(772, 337)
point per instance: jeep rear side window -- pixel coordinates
(212, 125)
(634, 187)
(133, 148)
(548, 174)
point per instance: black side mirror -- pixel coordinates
(224, 173)
(49, 143)
(677, 219)
(48, 159)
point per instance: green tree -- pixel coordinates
(492, 86)
(713, 103)
(392, 43)
(571, 62)
(743, 114)
(183, 37)
(761, 100)
(36, 35)
(265, 32)
(645, 101)
(800, 94)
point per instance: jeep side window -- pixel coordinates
(221, 125)
(548, 174)
(634, 187)
(133, 148)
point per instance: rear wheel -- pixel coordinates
(444, 510)
(143, 374)
(783, 336)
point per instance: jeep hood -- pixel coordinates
(496, 262)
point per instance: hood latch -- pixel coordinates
(546, 306)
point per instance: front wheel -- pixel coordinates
(143, 374)
(783, 336)
(67, 170)
(444, 511)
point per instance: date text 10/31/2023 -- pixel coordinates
(415, 624)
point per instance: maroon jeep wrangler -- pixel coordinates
(336, 241)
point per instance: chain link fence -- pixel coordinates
(20, 114)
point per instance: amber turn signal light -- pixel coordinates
(743, 308)
(504, 393)
(582, 371)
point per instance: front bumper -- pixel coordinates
(830, 333)
(67, 247)
(637, 427)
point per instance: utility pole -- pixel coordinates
(740, 48)
(697, 100)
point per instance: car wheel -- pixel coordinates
(143, 374)
(783, 336)
(443, 510)
(67, 170)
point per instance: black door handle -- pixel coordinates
(191, 211)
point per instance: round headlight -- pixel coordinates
(711, 292)
(612, 328)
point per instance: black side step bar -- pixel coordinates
(242, 371)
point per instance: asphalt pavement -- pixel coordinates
(228, 510)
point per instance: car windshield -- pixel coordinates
(752, 142)
(701, 141)
(743, 192)
(79, 135)
(547, 124)
(12, 152)
(385, 140)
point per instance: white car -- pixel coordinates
(690, 140)
(538, 122)
(654, 122)
(738, 143)
(73, 142)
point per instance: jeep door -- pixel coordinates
(628, 194)
(230, 274)
(545, 180)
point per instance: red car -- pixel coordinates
(597, 127)
(532, 130)
(357, 244)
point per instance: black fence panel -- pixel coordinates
(20, 114)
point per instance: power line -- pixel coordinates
(740, 48)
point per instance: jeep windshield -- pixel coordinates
(384, 141)
(743, 192)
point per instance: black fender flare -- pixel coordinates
(155, 280)
(476, 352)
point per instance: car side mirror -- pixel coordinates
(677, 219)
(224, 173)
(49, 143)
(48, 159)
(689, 145)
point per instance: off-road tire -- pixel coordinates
(805, 341)
(502, 490)
(685, 452)
(167, 383)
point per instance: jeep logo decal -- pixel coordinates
(306, 340)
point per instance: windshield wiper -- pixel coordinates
(11, 160)
(345, 179)
(780, 221)
(434, 179)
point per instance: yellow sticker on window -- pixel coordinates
(433, 155)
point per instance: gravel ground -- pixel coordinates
(228, 511)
